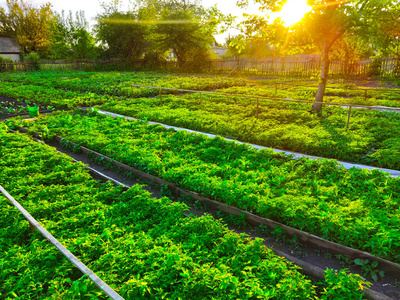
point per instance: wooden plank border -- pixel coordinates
(72, 258)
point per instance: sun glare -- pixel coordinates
(293, 11)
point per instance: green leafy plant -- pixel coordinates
(343, 285)
(300, 193)
(370, 269)
(141, 246)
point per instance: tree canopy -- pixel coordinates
(30, 25)
(71, 38)
(154, 28)
(326, 23)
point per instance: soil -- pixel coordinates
(11, 107)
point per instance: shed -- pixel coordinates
(9, 48)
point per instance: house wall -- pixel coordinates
(219, 51)
(14, 57)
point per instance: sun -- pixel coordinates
(293, 11)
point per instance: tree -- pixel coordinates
(387, 42)
(31, 26)
(327, 22)
(235, 51)
(173, 5)
(71, 38)
(187, 29)
(152, 28)
(181, 32)
(123, 33)
(350, 49)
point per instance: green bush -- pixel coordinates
(33, 60)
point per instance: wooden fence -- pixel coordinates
(282, 66)
(24, 66)
(83, 64)
(270, 67)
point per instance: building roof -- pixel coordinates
(9, 46)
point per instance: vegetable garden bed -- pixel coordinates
(354, 207)
(373, 97)
(11, 107)
(143, 247)
(118, 83)
(372, 137)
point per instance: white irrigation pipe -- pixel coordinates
(72, 258)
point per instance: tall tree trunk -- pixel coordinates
(317, 106)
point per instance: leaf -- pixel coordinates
(360, 262)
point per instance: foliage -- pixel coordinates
(70, 37)
(103, 85)
(357, 208)
(182, 32)
(343, 286)
(375, 68)
(327, 22)
(4, 61)
(371, 139)
(370, 269)
(142, 247)
(30, 25)
(386, 40)
(122, 32)
(33, 59)
(350, 49)
(231, 45)
(156, 28)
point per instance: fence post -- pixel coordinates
(31, 227)
(348, 118)
(257, 108)
(160, 98)
(365, 95)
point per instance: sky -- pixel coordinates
(92, 7)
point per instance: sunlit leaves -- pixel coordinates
(30, 25)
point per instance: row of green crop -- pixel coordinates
(119, 84)
(51, 96)
(372, 137)
(357, 208)
(142, 247)
(116, 83)
(332, 95)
